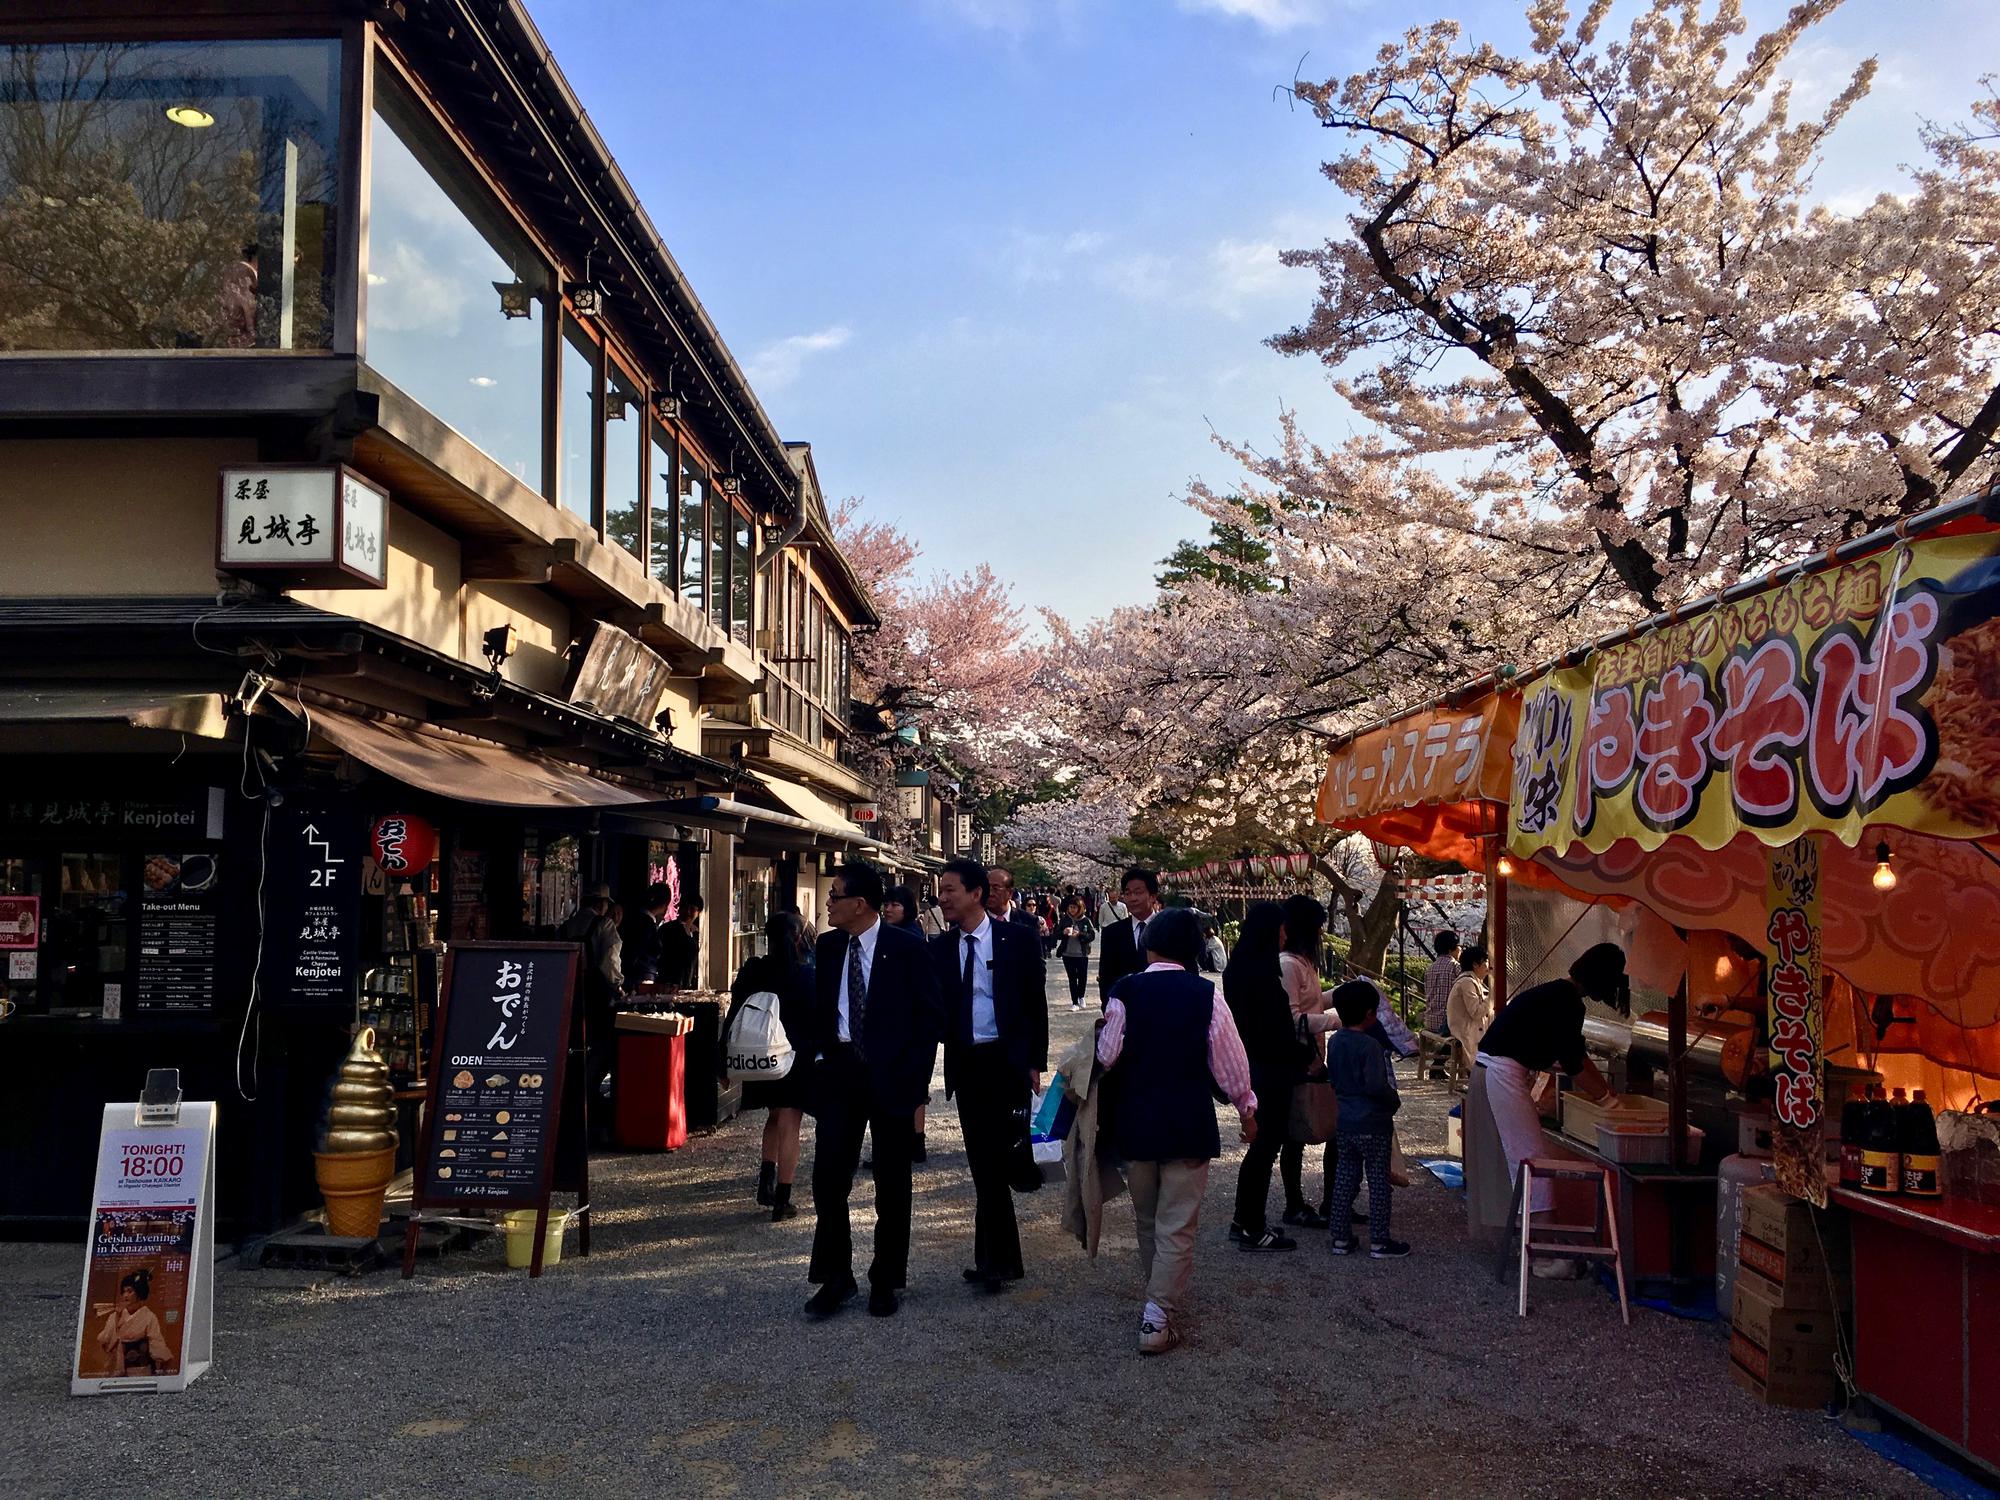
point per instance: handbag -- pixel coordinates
(757, 1049)
(1315, 1112)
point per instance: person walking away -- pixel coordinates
(1121, 945)
(1214, 957)
(996, 1048)
(1438, 980)
(900, 909)
(1073, 940)
(1254, 987)
(784, 970)
(642, 944)
(1469, 1006)
(1357, 1065)
(1537, 1030)
(680, 946)
(1304, 923)
(1166, 1042)
(603, 980)
(873, 1034)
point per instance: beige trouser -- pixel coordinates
(1166, 1201)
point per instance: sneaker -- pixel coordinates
(1270, 1239)
(1557, 1268)
(1347, 1246)
(1236, 1232)
(1305, 1216)
(1389, 1249)
(1157, 1338)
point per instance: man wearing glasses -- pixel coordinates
(875, 1030)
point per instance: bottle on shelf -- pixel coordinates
(1881, 1155)
(1920, 1149)
(1853, 1129)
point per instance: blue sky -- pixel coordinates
(1007, 263)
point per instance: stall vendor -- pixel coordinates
(1538, 1030)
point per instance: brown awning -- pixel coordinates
(141, 706)
(466, 769)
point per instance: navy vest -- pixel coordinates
(1163, 1104)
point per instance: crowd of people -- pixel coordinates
(868, 1004)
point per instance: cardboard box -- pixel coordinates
(1812, 1292)
(1787, 1243)
(1782, 1355)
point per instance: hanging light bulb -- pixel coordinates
(1885, 874)
(1504, 866)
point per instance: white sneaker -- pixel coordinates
(1557, 1268)
(1157, 1338)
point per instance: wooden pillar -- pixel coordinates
(1496, 906)
(1677, 1085)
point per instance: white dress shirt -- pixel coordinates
(867, 940)
(985, 1024)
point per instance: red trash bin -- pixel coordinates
(651, 1092)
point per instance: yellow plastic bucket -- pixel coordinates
(520, 1227)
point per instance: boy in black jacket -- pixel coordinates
(1357, 1065)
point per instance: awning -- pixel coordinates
(1435, 781)
(803, 802)
(727, 815)
(142, 707)
(465, 769)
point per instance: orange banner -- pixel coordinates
(1439, 755)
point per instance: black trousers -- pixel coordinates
(990, 1090)
(1079, 977)
(846, 1107)
(1253, 1179)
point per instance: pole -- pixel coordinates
(1496, 913)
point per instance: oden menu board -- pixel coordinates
(497, 1077)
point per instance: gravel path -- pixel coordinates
(675, 1361)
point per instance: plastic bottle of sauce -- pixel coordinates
(1853, 1127)
(1920, 1150)
(1881, 1155)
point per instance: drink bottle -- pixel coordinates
(1920, 1149)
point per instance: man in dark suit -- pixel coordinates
(996, 1047)
(1121, 945)
(642, 936)
(875, 1026)
(1001, 904)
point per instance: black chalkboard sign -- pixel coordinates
(493, 1106)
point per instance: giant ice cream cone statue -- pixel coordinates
(357, 1157)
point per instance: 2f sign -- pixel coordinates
(321, 873)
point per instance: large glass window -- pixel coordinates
(624, 428)
(660, 519)
(455, 296)
(579, 386)
(694, 495)
(718, 561)
(168, 195)
(740, 577)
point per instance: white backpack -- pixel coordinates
(757, 1050)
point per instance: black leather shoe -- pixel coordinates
(975, 1273)
(830, 1298)
(882, 1303)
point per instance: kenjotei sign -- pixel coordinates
(318, 524)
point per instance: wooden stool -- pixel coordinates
(1603, 1230)
(1431, 1047)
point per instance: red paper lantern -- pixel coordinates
(402, 845)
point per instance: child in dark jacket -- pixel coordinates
(1357, 1065)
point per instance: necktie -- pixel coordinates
(1139, 936)
(857, 997)
(965, 977)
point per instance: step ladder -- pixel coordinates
(1551, 1238)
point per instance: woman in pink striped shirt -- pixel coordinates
(1166, 1039)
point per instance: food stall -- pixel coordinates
(1799, 778)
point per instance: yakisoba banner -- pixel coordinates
(1868, 693)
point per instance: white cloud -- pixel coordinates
(1012, 19)
(1272, 15)
(1035, 258)
(777, 364)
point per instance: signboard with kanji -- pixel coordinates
(320, 524)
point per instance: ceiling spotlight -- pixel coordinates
(1884, 878)
(515, 301)
(190, 115)
(500, 643)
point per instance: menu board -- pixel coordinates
(180, 910)
(314, 904)
(497, 1075)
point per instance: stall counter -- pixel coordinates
(1927, 1315)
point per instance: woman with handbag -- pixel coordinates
(785, 969)
(1304, 921)
(1254, 986)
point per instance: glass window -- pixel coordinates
(624, 427)
(579, 388)
(168, 195)
(694, 494)
(741, 577)
(456, 298)
(660, 455)
(718, 562)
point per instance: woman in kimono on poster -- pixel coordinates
(131, 1337)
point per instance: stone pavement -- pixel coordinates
(674, 1361)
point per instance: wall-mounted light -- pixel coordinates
(616, 403)
(500, 643)
(663, 721)
(515, 300)
(667, 408)
(586, 299)
(192, 116)
(1884, 878)
(729, 484)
